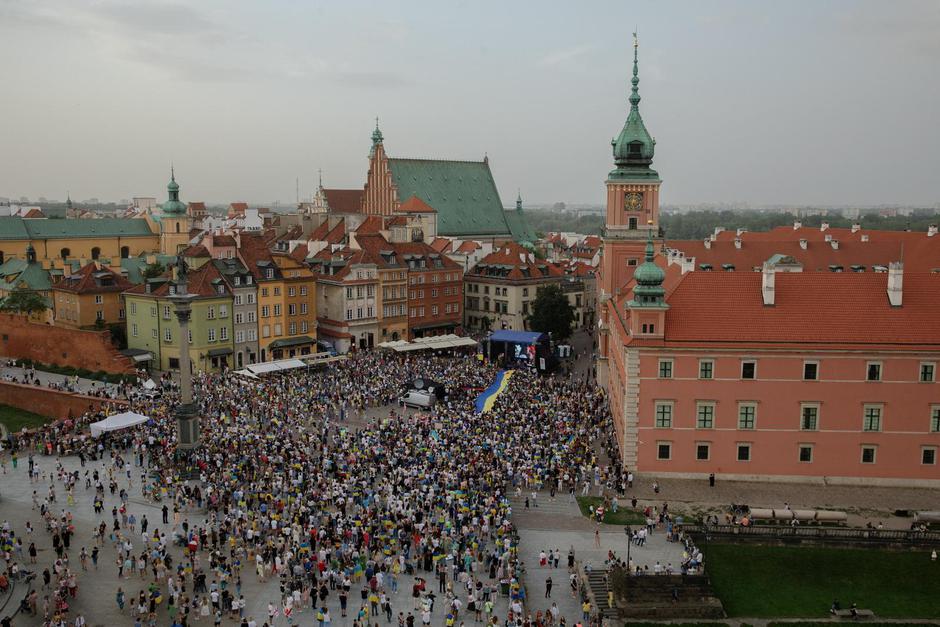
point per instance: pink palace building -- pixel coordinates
(788, 362)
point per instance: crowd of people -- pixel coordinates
(308, 484)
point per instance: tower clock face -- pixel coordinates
(633, 201)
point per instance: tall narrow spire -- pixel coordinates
(519, 200)
(633, 148)
(635, 92)
(376, 134)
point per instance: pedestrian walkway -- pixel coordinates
(559, 526)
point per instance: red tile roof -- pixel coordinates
(441, 244)
(196, 250)
(810, 308)
(223, 240)
(416, 205)
(88, 280)
(468, 247)
(919, 252)
(344, 200)
(203, 281)
(372, 224)
(512, 261)
(300, 252)
(336, 235)
(34, 213)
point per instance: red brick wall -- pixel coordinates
(45, 402)
(93, 350)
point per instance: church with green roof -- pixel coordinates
(462, 193)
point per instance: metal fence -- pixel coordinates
(826, 534)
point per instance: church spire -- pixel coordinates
(376, 134)
(635, 92)
(633, 149)
(519, 200)
(649, 278)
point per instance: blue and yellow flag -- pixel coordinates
(487, 398)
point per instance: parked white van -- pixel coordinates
(417, 398)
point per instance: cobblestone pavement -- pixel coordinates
(98, 587)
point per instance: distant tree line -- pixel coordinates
(700, 224)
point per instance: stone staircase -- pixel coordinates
(651, 597)
(597, 584)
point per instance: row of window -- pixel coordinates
(873, 370)
(419, 279)
(805, 452)
(360, 291)
(448, 291)
(360, 312)
(497, 291)
(389, 311)
(279, 329)
(211, 334)
(809, 418)
(291, 310)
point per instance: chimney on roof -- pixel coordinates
(856, 227)
(718, 229)
(803, 244)
(864, 237)
(828, 237)
(708, 243)
(797, 225)
(931, 230)
(737, 242)
(824, 226)
(767, 280)
(687, 264)
(740, 231)
(834, 243)
(895, 282)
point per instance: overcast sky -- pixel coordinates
(759, 102)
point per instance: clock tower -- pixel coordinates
(632, 211)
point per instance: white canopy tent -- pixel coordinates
(116, 422)
(429, 343)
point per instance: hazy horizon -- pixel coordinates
(750, 102)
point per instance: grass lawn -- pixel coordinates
(784, 582)
(624, 515)
(15, 419)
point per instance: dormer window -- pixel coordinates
(635, 148)
(269, 273)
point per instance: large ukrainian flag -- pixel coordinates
(487, 398)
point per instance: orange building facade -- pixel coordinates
(764, 371)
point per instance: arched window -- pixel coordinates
(1, 256)
(64, 253)
(125, 252)
(177, 227)
(95, 253)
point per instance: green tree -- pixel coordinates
(152, 270)
(552, 313)
(23, 301)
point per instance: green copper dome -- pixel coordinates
(633, 149)
(173, 206)
(649, 280)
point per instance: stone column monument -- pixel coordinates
(187, 412)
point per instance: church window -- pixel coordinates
(95, 253)
(632, 224)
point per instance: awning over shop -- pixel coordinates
(436, 342)
(138, 354)
(287, 342)
(219, 352)
(268, 367)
